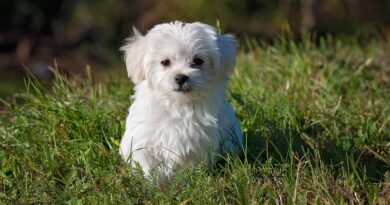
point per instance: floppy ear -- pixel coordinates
(227, 53)
(134, 51)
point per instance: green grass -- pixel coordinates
(315, 116)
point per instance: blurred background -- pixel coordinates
(79, 33)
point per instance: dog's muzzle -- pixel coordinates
(182, 83)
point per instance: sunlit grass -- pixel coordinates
(315, 116)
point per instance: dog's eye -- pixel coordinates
(166, 62)
(196, 62)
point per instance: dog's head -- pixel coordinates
(180, 58)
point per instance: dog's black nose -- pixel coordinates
(181, 79)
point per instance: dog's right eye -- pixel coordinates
(166, 62)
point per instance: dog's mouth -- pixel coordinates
(183, 89)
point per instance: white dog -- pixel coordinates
(180, 115)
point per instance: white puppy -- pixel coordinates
(180, 115)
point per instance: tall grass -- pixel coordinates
(315, 117)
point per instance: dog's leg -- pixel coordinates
(144, 159)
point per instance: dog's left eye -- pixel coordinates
(166, 62)
(196, 62)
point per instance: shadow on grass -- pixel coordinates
(281, 147)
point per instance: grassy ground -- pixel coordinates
(316, 118)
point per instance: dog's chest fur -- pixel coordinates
(183, 133)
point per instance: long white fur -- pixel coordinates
(166, 129)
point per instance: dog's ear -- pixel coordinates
(134, 51)
(227, 46)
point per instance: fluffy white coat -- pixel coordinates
(173, 124)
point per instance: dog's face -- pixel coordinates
(179, 59)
